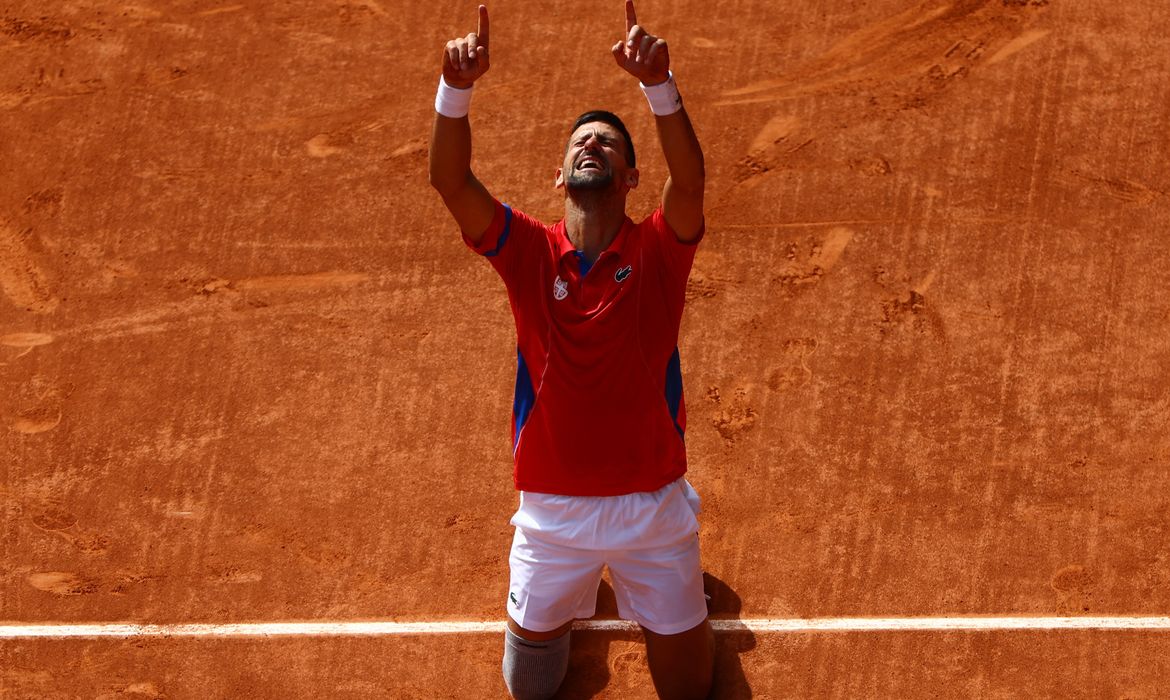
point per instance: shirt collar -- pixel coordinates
(565, 246)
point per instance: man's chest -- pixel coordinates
(576, 290)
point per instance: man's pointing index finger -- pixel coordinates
(631, 16)
(482, 31)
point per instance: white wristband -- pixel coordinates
(452, 102)
(663, 97)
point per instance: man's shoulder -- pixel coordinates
(513, 230)
(659, 229)
(526, 219)
(653, 227)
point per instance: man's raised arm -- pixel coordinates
(464, 60)
(647, 58)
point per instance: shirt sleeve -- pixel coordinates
(677, 256)
(512, 242)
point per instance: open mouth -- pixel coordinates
(590, 163)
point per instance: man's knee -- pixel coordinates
(534, 670)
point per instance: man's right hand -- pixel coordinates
(466, 58)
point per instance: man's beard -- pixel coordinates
(589, 180)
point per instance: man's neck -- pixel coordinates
(593, 220)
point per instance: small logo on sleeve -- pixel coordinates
(560, 288)
(623, 273)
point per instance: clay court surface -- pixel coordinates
(249, 372)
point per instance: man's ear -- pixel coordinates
(632, 178)
(560, 181)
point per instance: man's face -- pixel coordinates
(595, 159)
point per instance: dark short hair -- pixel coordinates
(600, 115)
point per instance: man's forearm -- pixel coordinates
(450, 154)
(684, 155)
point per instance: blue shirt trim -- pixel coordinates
(504, 235)
(524, 399)
(674, 389)
(583, 263)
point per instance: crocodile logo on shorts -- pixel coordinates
(623, 273)
(512, 597)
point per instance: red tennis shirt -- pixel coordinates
(598, 409)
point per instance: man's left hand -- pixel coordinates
(642, 55)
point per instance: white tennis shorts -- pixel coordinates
(649, 541)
